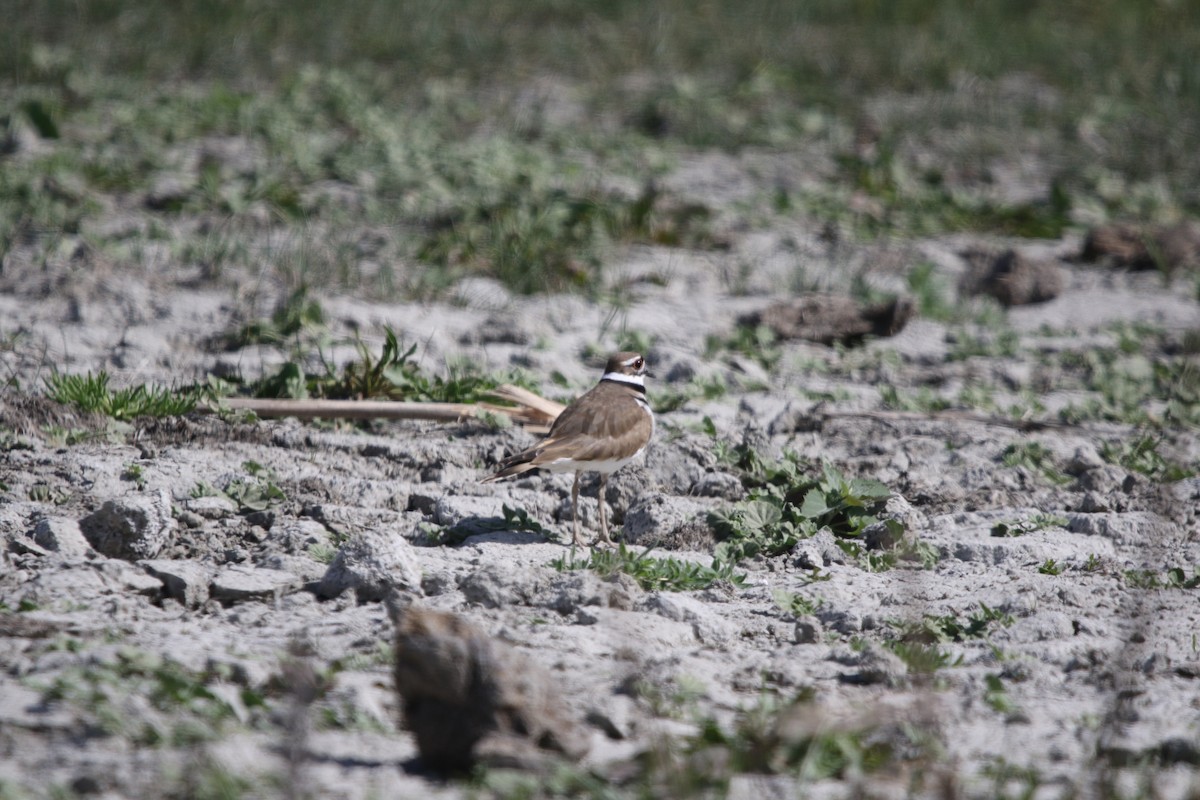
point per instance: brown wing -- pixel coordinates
(589, 429)
(597, 427)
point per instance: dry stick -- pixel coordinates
(532, 411)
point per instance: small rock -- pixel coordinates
(372, 564)
(1166, 247)
(129, 577)
(579, 589)
(456, 510)
(1106, 479)
(1132, 527)
(185, 581)
(670, 522)
(297, 536)
(878, 665)
(808, 630)
(63, 536)
(216, 506)
(239, 583)
(1085, 458)
(131, 528)
(794, 418)
(614, 716)
(499, 585)
(708, 627)
(498, 328)
(468, 698)
(828, 318)
(307, 569)
(1012, 278)
(719, 484)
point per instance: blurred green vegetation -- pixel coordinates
(405, 145)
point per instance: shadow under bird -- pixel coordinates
(602, 431)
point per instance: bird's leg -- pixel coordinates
(576, 540)
(603, 514)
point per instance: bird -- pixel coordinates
(603, 430)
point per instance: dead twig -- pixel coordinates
(531, 410)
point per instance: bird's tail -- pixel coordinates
(513, 465)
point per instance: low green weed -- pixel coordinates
(1050, 567)
(951, 628)
(932, 292)
(1023, 526)
(1173, 578)
(392, 373)
(652, 574)
(298, 314)
(757, 342)
(91, 393)
(995, 695)
(1161, 392)
(187, 710)
(1035, 457)
(1142, 455)
(796, 605)
(258, 492)
(1005, 344)
(774, 737)
(923, 658)
(784, 506)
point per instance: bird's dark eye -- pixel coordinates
(638, 364)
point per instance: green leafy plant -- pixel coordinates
(951, 628)
(923, 658)
(1050, 567)
(652, 574)
(135, 473)
(761, 741)
(258, 492)
(995, 695)
(91, 393)
(784, 507)
(1173, 578)
(796, 605)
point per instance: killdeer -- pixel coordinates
(601, 431)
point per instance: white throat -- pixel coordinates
(632, 380)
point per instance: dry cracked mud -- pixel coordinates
(203, 598)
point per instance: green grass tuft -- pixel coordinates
(652, 574)
(91, 393)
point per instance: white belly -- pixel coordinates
(607, 466)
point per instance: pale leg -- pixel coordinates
(576, 540)
(602, 507)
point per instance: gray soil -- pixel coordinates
(124, 561)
